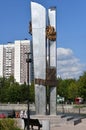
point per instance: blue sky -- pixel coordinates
(71, 27)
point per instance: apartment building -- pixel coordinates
(13, 60)
(6, 60)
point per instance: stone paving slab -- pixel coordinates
(80, 126)
(58, 123)
(65, 125)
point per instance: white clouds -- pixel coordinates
(68, 66)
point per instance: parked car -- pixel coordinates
(60, 99)
(2, 115)
(11, 114)
(78, 100)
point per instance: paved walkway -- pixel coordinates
(62, 124)
(56, 123)
(80, 126)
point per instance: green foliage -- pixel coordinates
(73, 91)
(82, 85)
(8, 124)
(11, 91)
(79, 106)
(71, 88)
(64, 87)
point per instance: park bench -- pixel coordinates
(62, 116)
(77, 121)
(70, 118)
(32, 122)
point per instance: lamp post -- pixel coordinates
(28, 60)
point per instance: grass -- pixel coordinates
(80, 106)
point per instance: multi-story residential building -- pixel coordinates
(1, 60)
(6, 60)
(13, 60)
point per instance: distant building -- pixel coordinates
(6, 60)
(13, 60)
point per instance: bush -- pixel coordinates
(8, 124)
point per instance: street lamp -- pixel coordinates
(28, 60)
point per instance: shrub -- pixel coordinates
(8, 124)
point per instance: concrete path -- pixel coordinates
(56, 123)
(62, 123)
(80, 126)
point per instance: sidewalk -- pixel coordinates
(80, 126)
(58, 123)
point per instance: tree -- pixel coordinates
(73, 91)
(82, 85)
(63, 86)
